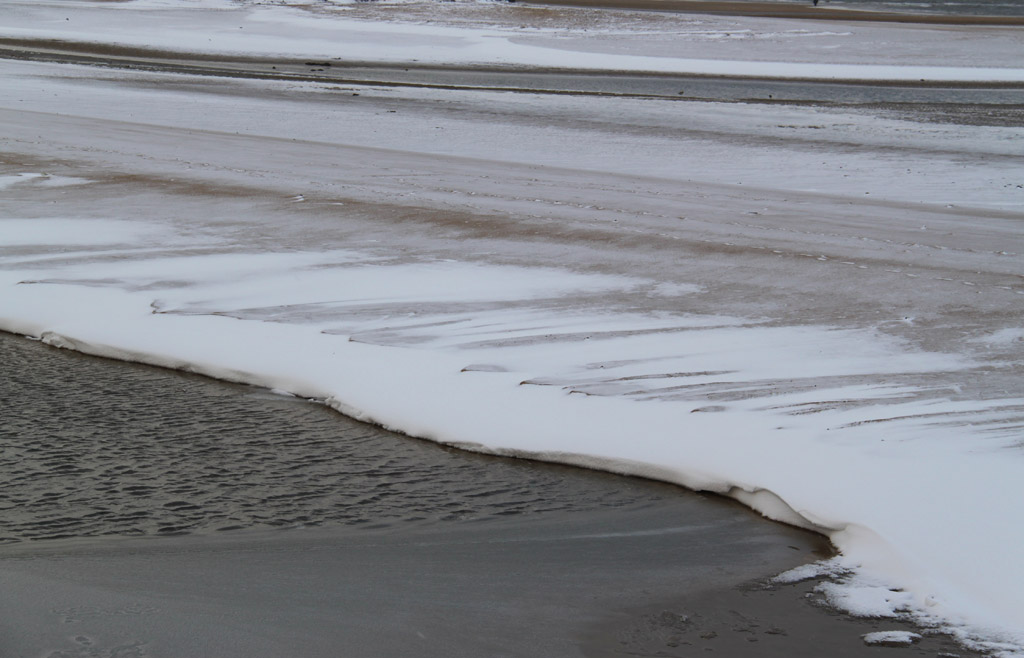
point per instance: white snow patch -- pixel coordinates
(867, 600)
(891, 638)
(810, 571)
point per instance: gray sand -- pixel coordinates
(391, 546)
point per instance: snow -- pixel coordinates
(891, 638)
(473, 268)
(809, 571)
(868, 601)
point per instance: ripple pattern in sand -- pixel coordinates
(93, 447)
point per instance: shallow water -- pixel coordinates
(90, 447)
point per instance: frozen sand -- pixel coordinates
(863, 312)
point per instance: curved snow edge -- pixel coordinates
(764, 501)
(843, 535)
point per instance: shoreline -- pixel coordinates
(664, 573)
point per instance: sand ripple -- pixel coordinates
(92, 447)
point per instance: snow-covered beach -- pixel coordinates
(813, 309)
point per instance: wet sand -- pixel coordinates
(143, 514)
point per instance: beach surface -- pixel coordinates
(798, 288)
